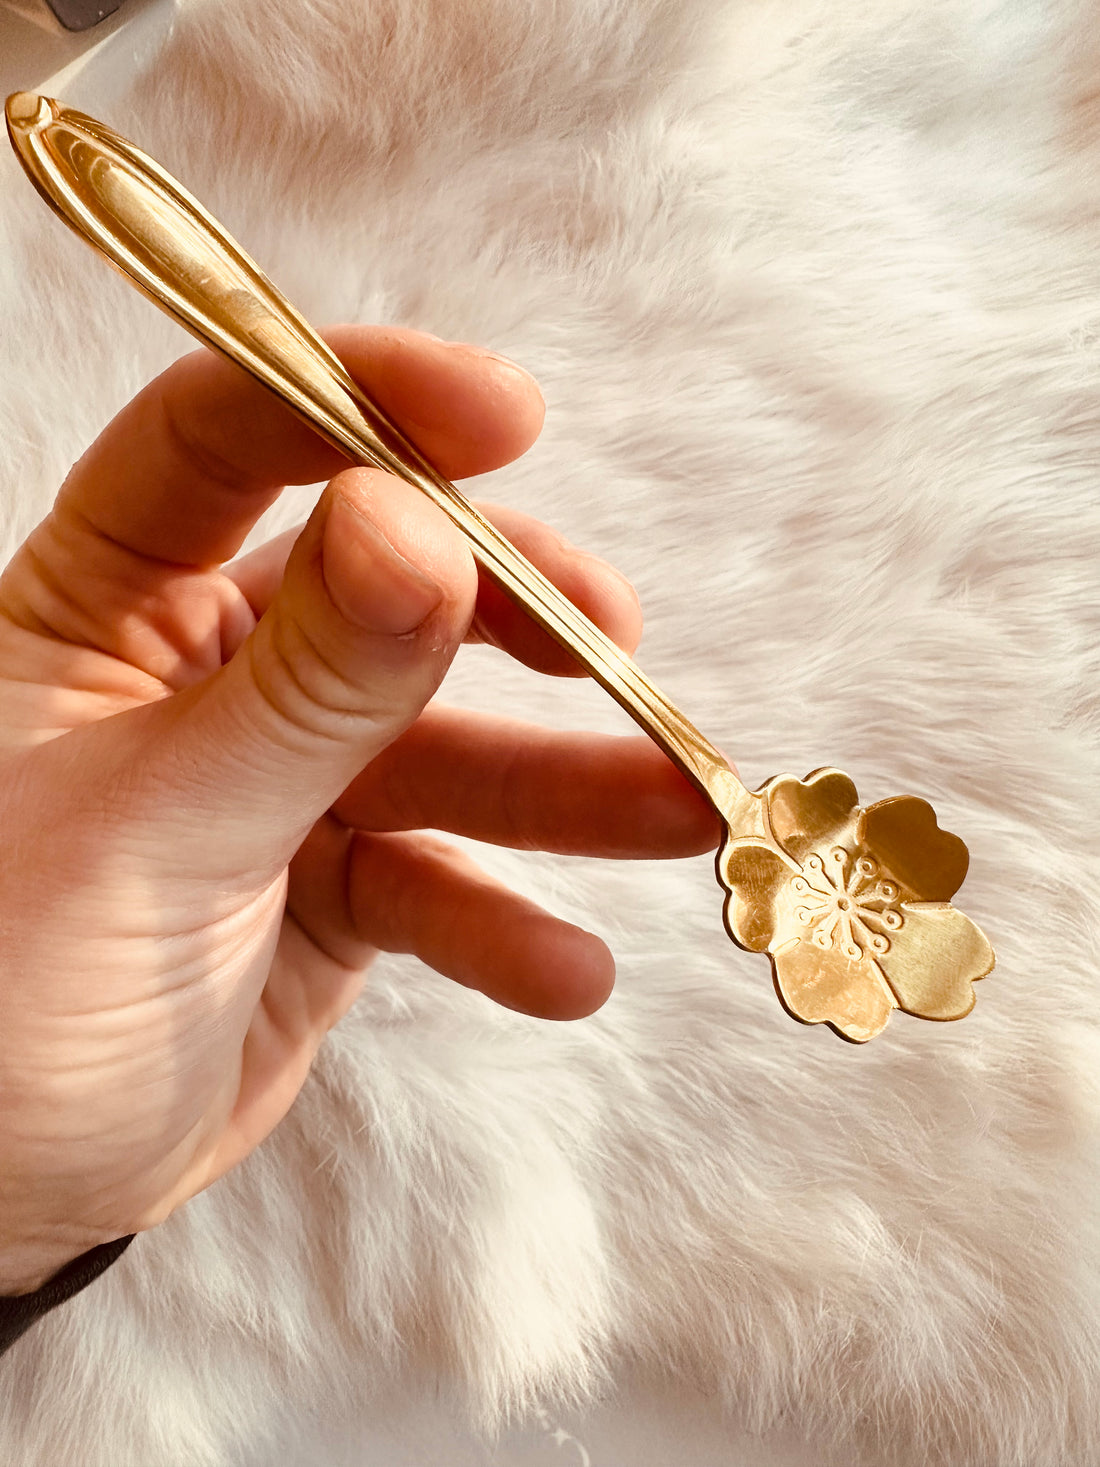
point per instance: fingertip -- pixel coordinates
(576, 976)
(667, 802)
(594, 586)
(615, 605)
(467, 409)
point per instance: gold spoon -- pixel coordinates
(853, 905)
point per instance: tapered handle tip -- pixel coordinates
(28, 109)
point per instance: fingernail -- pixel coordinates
(604, 567)
(483, 353)
(370, 582)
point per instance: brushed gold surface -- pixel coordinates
(851, 904)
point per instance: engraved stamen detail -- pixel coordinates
(843, 913)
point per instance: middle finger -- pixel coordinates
(517, 784)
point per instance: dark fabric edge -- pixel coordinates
(19, 1311)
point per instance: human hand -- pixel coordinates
(215, 778)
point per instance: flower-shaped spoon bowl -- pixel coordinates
(853, 905)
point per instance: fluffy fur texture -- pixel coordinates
(812, 289)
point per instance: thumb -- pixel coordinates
(377, 595)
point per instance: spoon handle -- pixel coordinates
(132, 211)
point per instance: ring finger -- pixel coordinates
(355, 893)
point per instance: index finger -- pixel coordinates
(187, 468)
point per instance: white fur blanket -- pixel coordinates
(813, 290)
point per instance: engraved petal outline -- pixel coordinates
(818, 987)
(934, 961)
(809, 814)
(903, 834)
(753, 874)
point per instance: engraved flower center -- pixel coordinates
(847, 904)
